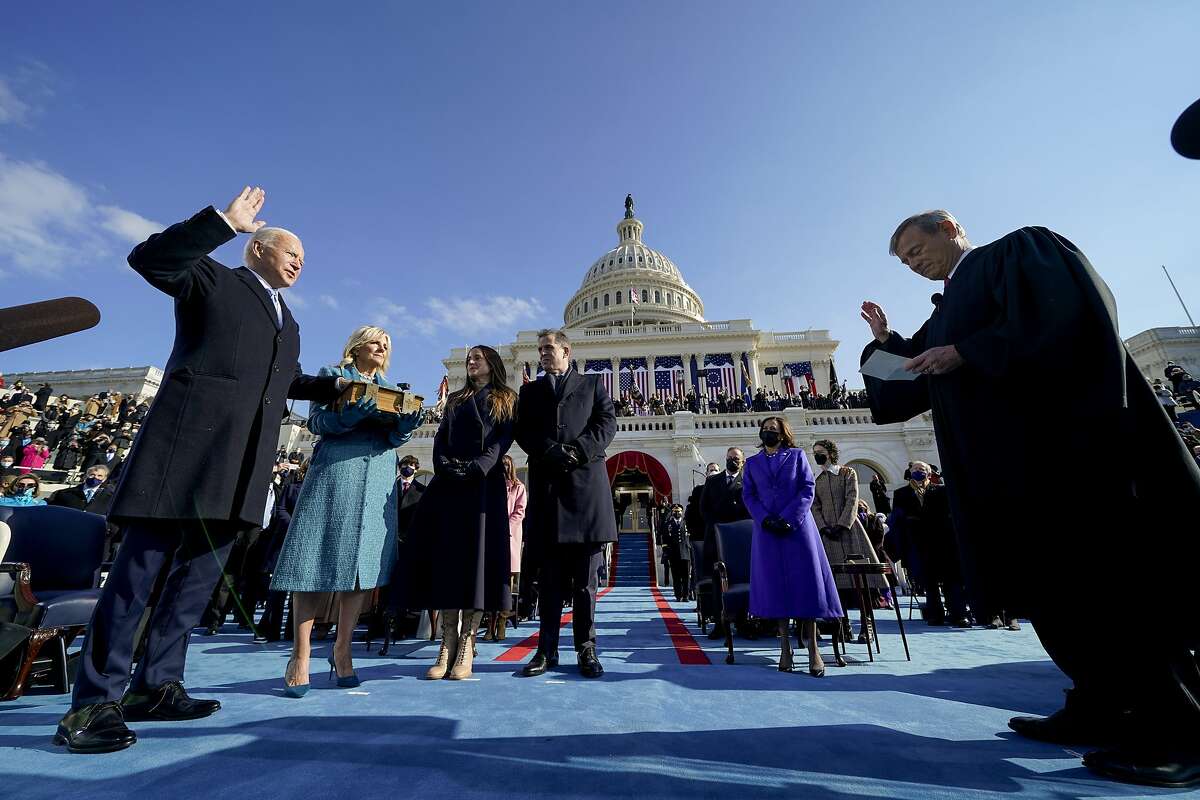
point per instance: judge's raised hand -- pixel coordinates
(875, 317)
(244, 208)
(935, 361)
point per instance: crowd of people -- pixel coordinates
(53, 440)
(344, 535)
(633, 403)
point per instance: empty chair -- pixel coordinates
(732, 574)
(707, 605)
(48, 584)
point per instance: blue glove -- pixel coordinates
(356, 412)
(407, 423)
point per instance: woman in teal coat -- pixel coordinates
(343, 533)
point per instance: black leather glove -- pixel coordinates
(457, 469)
(777, 525)
(838, 531)
(559, 458)
(575, 457)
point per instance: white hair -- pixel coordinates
(927, 221)
(266, 236)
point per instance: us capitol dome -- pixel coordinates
(664, 349)
(631, 284)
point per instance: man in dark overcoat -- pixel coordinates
(199, 468)
(565, 421)
(1011, 313)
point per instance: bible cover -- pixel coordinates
(392, 401)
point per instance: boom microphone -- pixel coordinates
(48, 319)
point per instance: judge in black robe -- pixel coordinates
(1012, 314)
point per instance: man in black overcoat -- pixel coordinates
(565, 421)
(721, 502)
(199, 468)
(1010, 315)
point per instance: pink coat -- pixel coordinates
(34, 457)
(516, 513)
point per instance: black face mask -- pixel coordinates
(821, 458)
(407, 472)
(769, 438)
(732, 464)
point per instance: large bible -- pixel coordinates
(394, 401)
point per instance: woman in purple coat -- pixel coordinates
(789, 573)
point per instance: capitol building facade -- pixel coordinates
(637, 323)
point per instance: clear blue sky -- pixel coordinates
(454, 168)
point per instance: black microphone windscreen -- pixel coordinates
(48, 319)
(936, 298)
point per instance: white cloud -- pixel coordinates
(294, 300)
(23, 92)
(131, 227)
(48, 222)
(464, 315)
(13, 110)
(329, 301)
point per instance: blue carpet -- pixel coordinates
(650, 728)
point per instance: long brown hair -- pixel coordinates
(502, 402)
(510, 470)
(786, 438)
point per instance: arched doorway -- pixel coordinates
(639, 483)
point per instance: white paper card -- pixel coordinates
(887, 367)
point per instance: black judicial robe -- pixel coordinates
(1030, 316)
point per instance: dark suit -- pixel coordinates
(721, 502)
(570, 514)
(199, 469)
(921, 536)
(74, 497)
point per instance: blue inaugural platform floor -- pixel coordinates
(652, 727)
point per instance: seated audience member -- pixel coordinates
(94, 494)
(8, 467)
(22, 491)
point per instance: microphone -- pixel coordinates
(48, 319)
(936, 299)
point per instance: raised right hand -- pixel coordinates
(244, 208)
(356, 412)
(875, 317)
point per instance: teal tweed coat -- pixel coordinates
(343, 531)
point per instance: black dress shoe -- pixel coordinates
(167, 703)
(1168, 766)
(95, 729)
(1065, 727)
(538, 665)
(589, 665)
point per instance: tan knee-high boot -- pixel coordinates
(466, 646)
(449, 652)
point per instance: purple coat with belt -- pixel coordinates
(789, 574)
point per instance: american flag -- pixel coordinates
(793, 371)
(525, 378)
(668, 376)
(633, 297)
(634, 373)
(719, 374)
(601, 367)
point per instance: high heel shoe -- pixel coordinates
(293, 690)
(785, 660)
(351, 681)
(816, 672)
